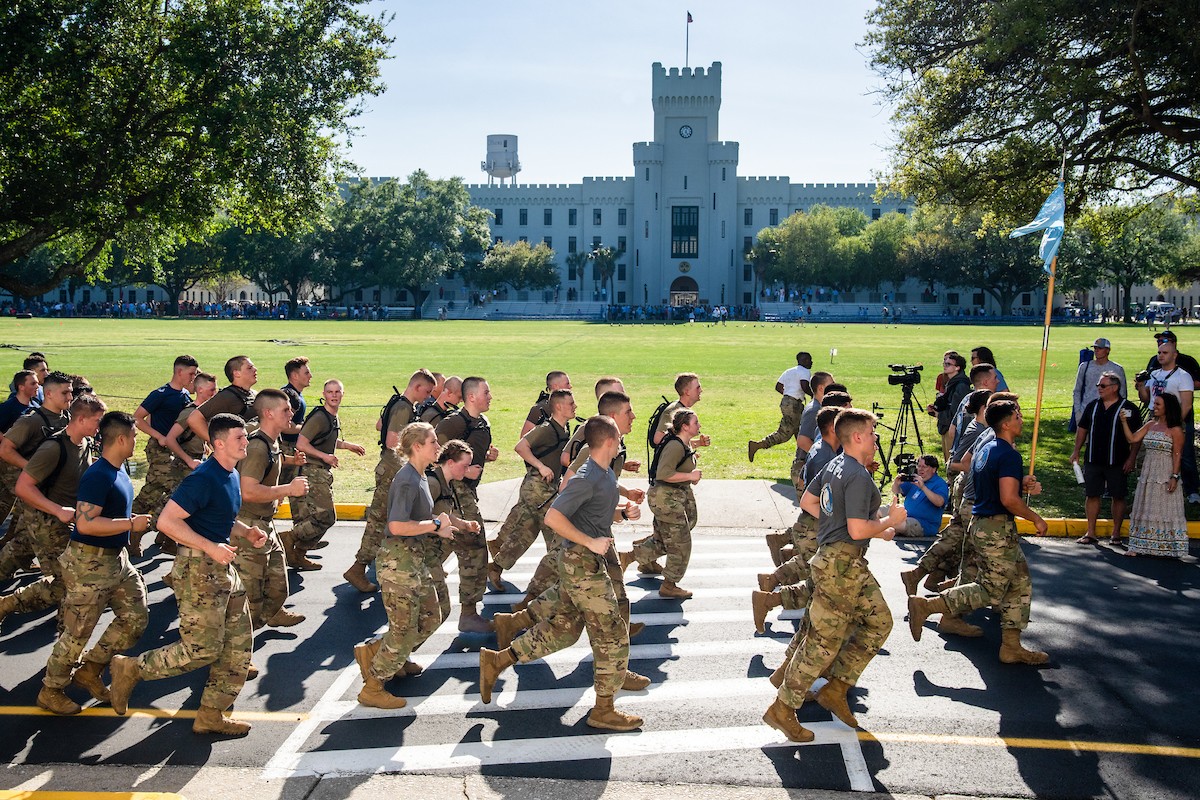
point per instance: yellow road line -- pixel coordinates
(7, 794)
(161, 713)
(1035, 744)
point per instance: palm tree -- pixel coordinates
(605, 259)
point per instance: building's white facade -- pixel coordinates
(684, 218)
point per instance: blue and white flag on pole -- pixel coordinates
(1050, 220)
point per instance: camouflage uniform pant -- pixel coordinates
(945, 554)
(674, 508)
(313, 514)
(49, 537)
(790, 410)
(546, 574)
(437, 550)
(797, 473)
(471, 548)
(18, 550)
(163, 474)
(8, 486)
(96, 578)
(848, 622)
(524, 521)
(544, 586)
(1003, 577)
(287, 472)
(792, 576)
(410, 600)
(586, 600)
(389, 464)
(214, 629)
(263, 571)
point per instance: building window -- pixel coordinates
(548, 242)
(499, 240)
(621, 297)
(902, 210)
(548, 216)
(622, 216)
(572, 216)
(747, 271)
(722, 229)
(875, 213)
(685, 181)
(747, 244)
(499, 216)
(595, 242)
(773, 215)
(952, 298)
(646, 233)
(523, 216)
(685, 231)
(620, 272)
(622, 245)
(375, 295)
(571, 272)
(596, 216)
(358, 294)
(522, 238)
(647, 173)
(1026, 299)
(572, 245)
(722, 173)
(748, 217)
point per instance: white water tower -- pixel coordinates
(502, 161)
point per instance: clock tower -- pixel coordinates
(685, 194)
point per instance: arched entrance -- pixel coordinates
(684, 291)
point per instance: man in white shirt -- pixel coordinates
(793, 384)
(1170, 378)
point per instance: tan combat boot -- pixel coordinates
(919, 609)
(408, 669)
(775, 543)
(936, 580)
(126, 672)
(364, 654)
(87, 677)
(473, 623)
(1013, 652)
(652, 568)
(669, 589)
(491, 664)
(493, 546)
(356, 576)
(285, 619)
(832, 698)
(767, 582)
(210, 720)
(495, 577)
(761, 603)
(295, 556)
(509, 625)
(752, 447)
(957, 626)
(252, 672)
(624, 559)
(777, 676)
(607, 718)
(782, 718)
(374, 695)
(8, 604)
(54, 701)
(634, 682)
(912, 579)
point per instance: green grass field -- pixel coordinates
(738, 365)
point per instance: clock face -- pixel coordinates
(685, 131)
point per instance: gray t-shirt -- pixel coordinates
(589, 499)
(966, 441)
(820, 455)
(846, 492)
(409, 499)
(808, 421)
(986, 435)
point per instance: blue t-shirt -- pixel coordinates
(299, 411)
(995, 460)
(918, 506)
(11, 410)
(109, 488)
(164, 405)
(212, 497)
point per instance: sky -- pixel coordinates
(572, 81)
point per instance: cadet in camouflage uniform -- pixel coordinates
(186, 446)
(541, 449)
(673, 503)
(25, 385)
(1003, 577)
(436, 407)
(237, 398)
(47, 486)
(261, 567)
(452, 462)
(97, 574)
(299, 378)
(583, 514)
(19, 443)
(539, 412)
(470, 425)
(795, 388)
(154, 417)
(395, 417)
(313, 513)
(214, 620)
(409, 595)
(848, 617)
(789, 585)
(807, 434)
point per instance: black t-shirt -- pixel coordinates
(1105, 443)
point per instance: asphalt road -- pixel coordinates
(1107, 718)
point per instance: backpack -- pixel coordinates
(270, 454)
(543, 396)
(444, 492)
(333, 425)
(655, 418)
(48, 481)
(687, 453)
(47, 431)
(385, 415)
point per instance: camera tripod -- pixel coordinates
(906, 423)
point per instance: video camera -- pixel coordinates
(907, 374)
(906, 467)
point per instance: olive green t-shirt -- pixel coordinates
(675, 458)
(75, 461)
(30, 430)
(230, 400)
(547, 442)
(585, 452)
(475, 431)
(665, 419)
(189, 442)
(322, 430)
(262, 463)
(401, 416)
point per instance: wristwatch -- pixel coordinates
(1175, 475)
(437, 525)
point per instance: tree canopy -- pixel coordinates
(141, 120)
(518, 265)
(990, 96)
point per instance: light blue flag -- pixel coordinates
(1050, 220)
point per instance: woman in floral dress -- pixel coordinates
(1157, 525)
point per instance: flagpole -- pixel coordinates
(1037, 412)
(687, 32)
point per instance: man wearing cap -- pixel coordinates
(1164, 368)
(1088, 376)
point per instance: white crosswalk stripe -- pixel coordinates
(699, 630)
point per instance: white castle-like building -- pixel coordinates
(685, 218)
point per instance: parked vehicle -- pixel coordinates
(1164, 311)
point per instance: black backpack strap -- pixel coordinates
(32, 445)
(652, 426)
(270, 453)
(317, 442)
